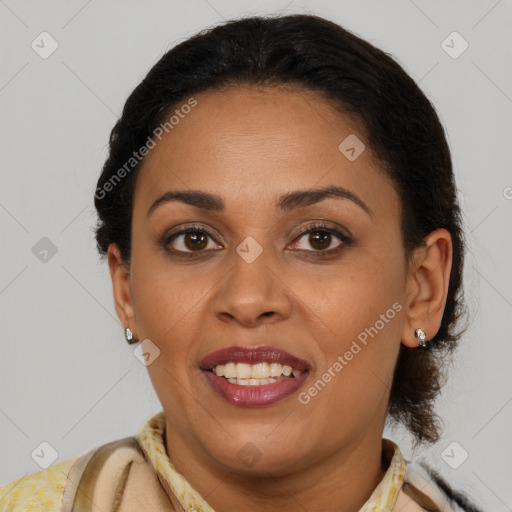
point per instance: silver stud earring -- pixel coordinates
(420, 335)
(128, 334)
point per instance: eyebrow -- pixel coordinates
(286, 203)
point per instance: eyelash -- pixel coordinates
(195, 229)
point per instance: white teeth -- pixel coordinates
(230, 371)
(254, 382)
(260, 371)
(258, 374)
(243, 371)
(275, 370)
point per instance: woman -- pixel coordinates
(280, 219)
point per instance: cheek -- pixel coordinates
(362, 309)
(167, 302)
(355, 295)
(168, 310)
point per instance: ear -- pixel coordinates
(427, 286)
(120, 275)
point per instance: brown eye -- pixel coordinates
(195, 240)
(320, 240)
(190, 241)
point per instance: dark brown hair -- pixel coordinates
(402, 127)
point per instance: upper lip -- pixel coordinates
(253, 355)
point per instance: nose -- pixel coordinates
(252, 294)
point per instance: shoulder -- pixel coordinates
(424, 489)
(55, 488)
(40, 491)
(102, 476)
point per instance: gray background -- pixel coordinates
(67, 376)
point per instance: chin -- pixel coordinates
(257, 456)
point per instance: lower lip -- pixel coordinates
(255, 396)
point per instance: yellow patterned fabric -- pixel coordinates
(151, 438)
(44, 490)
(40, 491)
(384, 496)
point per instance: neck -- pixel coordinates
(345, 479)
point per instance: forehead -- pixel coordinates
(256, 144)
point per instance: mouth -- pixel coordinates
(254, 377)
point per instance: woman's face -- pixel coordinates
(250, 277)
